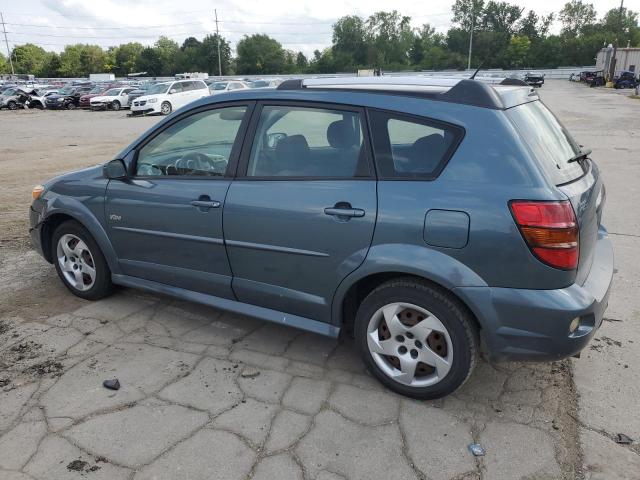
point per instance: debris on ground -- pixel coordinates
(476, 449)
(77, 466)
(249, 372)
(4, 327)
(45, 368)
(623, 439)
(113, 384)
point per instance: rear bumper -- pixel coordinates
(519, 324)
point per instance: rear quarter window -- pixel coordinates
(549, 142)
(408, 147)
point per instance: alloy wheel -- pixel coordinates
(76, 262)
(409, 344)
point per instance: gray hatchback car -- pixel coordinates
(431, 218)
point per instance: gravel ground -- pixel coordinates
(207, 394)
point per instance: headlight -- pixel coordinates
(152, 100)
(37, 191)
(61, 99)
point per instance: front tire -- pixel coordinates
(71, 106)
(416, 339)
(116, 105)
(79, 262)
(12, 105)
(165, 108)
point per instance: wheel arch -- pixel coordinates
(386, 262)
(56, 216)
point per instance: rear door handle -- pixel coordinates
(344, 212)
(206, 204)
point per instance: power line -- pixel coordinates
(120, 37)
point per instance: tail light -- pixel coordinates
(550, 230)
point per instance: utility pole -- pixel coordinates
(473, 24)
(613, 61)
(218, 37)
(4, 30)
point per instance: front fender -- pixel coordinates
(76, 209)
(420, 261)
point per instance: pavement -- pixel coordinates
(208, 394)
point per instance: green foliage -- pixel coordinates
(4, 64)
(504, 36)
(259, 54)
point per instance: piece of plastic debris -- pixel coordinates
(623, 439)
(476, 449)
(249, 372)
(111, 384)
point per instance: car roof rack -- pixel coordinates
(478, 92)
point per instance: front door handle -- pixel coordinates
(344, 212)
(205, 204)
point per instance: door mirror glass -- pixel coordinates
(115, 170)
(274, 138)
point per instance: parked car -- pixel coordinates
(67, 97)
(100, 89)
(140, 91)
(625, 80)
(15, 98)
(227, 86)
(373, 205)
(39, 97)
(114, 99)
(166, 97)
(265, 83)
(535, 79)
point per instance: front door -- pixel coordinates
(300, 216)
(166, 221)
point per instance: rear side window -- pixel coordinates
(410, 147)
(548, 141)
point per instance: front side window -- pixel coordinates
(200, 144)
(292, 141)
(409, 147)
(176, 87)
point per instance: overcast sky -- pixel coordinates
(298, 24)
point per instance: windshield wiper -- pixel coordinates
(581, 156)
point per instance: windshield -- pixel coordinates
(548, 141)
(260, 84)
(219, 86)
(112, 93)
(96, 89)
(158, 88)
(10, 91)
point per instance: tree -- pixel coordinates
(518, 50)
(209, 55)
(259, 54)
(4, 64)
(149, 61)
(349, 40)
(389, 37)
(29, 58)
(167, 51)
(125, 58)
(467, 13)
(500, 17)
(301, 62)
(575, 16)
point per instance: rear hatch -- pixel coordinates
(554, 148)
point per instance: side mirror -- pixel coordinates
(115, 170)
(172, 91)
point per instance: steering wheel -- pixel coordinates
(195, 162)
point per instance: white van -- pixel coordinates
(168, 96)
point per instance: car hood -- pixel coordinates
(56, 96)
(147, 97)
(76, 175)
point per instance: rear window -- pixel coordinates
(409, 147)
(548, 141)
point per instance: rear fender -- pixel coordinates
(402, 259)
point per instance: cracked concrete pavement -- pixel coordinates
(208, 394)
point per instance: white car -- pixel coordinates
(226, 86)
(38, 101)
(166, 97)
(114, 98)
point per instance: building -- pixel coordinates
(627, 59)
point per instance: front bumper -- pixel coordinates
(35, 230)
(144, 107)
(519, 324)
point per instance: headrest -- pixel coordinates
(340, 134)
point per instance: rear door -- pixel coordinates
(301, 213)
(165, 222)
(580, 181)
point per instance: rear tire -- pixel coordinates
(79, 262)
(165, 108)
(389, 328)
